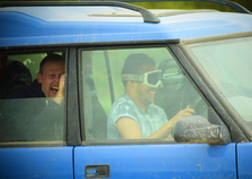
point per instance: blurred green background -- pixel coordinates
(193, 5)
(180, 5)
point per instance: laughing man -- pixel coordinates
(38, 114)
(49, 82)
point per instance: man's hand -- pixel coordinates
(60, 92)
(183, 113)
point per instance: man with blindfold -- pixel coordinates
(133, 115)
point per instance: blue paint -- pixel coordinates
(20, 28)
(46, 162)
(244, 158)
(160, 161)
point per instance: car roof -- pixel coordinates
(42, 25)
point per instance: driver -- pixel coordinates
(133, 115)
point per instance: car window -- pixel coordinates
(227, 64)
(103, 88)
(29, 108)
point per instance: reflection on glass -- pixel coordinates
(31, 119)
(228, 63)
(103, 81)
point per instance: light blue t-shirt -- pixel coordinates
(149, 121)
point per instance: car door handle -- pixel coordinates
(97, 171)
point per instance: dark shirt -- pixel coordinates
(32, 91)
(28, 115)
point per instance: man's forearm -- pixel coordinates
(163, 131)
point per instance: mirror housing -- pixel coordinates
(197, 129)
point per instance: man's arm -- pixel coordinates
(51, 117)
(129, 128)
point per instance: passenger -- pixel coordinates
(49, 83)
(12, 75)
(133, 116)
(38, 113)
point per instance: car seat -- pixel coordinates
(94, 114)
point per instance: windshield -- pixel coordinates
(228, 63)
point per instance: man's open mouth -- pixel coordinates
(54, 89)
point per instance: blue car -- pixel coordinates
(71, 106)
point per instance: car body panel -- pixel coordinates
(41, 162)
(159, 161)
(29, 30)
(244, 160)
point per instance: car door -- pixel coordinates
(32, 144)
(101, 85)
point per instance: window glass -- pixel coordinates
(30, 61)
(31, 105)
(121, 91)
(96, 93)
(228, 64)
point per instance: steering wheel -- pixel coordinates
(186, 93)
(199, 106)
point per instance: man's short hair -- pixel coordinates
(50, 58)
(134, 62)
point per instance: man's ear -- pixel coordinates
(39, 77)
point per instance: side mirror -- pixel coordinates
(197, 129)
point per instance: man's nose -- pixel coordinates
(57, 79)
